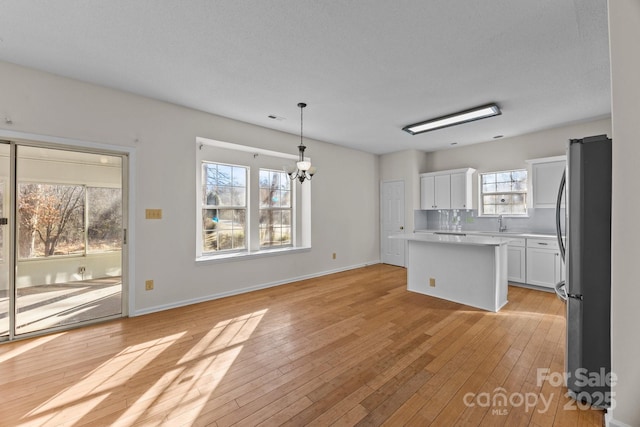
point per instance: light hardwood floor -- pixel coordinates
(353, 348)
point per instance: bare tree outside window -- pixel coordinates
(51, 220)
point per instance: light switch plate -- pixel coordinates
(153, 213)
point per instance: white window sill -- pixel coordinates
(241, 256)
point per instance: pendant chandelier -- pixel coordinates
(303, 169)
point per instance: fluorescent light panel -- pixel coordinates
(466, 116)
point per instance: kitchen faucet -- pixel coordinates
(501, 226)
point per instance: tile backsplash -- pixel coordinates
(540, 220)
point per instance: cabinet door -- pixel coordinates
(427, 192)
(442, 192)
(546, 181)
(516, 264)
(543, 267)
(459, 191)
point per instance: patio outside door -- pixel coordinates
(67, 238)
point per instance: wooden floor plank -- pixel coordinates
(351, 348)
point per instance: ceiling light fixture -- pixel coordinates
(466, 116)
(303, 169)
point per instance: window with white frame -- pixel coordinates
(503, 192)
(224, 207)
(246, 204)
(275, 208)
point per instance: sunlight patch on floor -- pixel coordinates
(82, 397)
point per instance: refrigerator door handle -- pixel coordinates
(563, 181)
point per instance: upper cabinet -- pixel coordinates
(446, 189)
(545, 180)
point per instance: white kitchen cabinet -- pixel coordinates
(461, 194)
(517, 261)
(446, 189)
(435, 192)
(544, 264)
(545, 180)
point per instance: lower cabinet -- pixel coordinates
(535, 262)
(544, 264)
(517, 261)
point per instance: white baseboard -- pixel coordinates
(611, 422)
(245, 290)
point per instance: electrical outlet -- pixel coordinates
(82, 270)
(153, 213)
(334, 255)
(148, 285)
(432, 282)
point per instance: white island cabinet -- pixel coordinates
(466, 269)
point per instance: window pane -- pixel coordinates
(225, 240)
(239, 177)
(239, 196)
(519, 176)
(104, 228)
(503, 186)
(264, 178)
(224, 194)
(223, 176)
(503, 177)
(265, 200)
(285, 183)
(489, 178)
(489, 200)
(285, 200)
(50, 220)
(489, 188)
(275, 227)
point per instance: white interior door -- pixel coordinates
(392, 222)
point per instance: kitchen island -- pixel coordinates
(467, 269)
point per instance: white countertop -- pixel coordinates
(505, 234)
(458, 239)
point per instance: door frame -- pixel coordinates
(128, 203)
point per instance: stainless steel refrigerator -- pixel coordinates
(587, 255)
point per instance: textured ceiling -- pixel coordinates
(365, 68)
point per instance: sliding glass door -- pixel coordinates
(68, 242)
(6, 302)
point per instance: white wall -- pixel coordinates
(65, 269)
(405, 166)
(512, 153)
(624, 33)
(345, 190)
